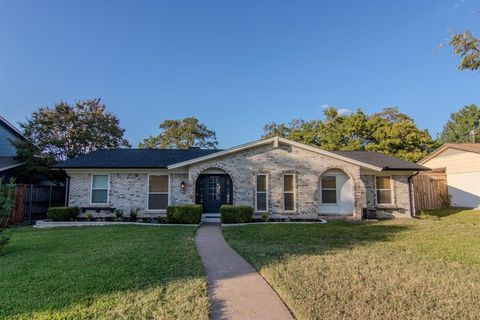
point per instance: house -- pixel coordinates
(461, 162)
(275, 176)
(8, 135)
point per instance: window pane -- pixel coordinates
(384, 196)
(329, 196)
(329, 182)
(100, 182)
(99, 196)
(288, 182)
(158, 183)
(157, 201)
(261, 201)
(262, 183)
(288, 201)
(383, 182)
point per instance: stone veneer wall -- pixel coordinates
(400, 195)
(306, 166)
(126, 191)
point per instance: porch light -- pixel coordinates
(182, 186)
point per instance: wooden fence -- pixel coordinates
(32, 202)
(430, 190)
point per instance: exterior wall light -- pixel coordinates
(182, 186)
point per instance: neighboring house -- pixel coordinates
(8, 135)
(461, 162)
(276, 176)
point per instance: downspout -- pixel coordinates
(67, 191)
(410, 195)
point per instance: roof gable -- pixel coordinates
(11, 127)
(467, 147)
(371, 160)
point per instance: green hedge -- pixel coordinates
(62, 213)
(236, 214)
(185, 214)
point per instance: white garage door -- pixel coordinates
(464, 189)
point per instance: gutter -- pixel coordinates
(410, 194)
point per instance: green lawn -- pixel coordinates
(127, 272)
(426, 268)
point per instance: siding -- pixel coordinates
(456, 161)
(7, 149)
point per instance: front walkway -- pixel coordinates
(236, 290)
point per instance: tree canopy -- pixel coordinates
(389, 131)
(462, 126)
(468, 47)
(182, 134)
(64, 131)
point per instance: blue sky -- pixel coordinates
(235, 65)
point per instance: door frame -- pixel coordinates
(223, 194)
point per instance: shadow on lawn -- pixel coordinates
(268, 244)
(56, 269)
(442, 213)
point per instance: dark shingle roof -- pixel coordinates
(133, 158)
(8, 162)
(380, 160)
(161, 158)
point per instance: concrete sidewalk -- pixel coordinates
(236, 290)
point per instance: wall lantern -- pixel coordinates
(182, 186)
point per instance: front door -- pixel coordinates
(213, 190)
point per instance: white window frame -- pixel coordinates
(91, 189)
(167, 193)
(337, 196)
(293, 192)
(391, 191)
(267, 187)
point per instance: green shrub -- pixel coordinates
(62, 213)
(118, 213)
(185, 214)
(236, 214)
(134, 214)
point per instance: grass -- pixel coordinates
(114, 272)
(403, 269)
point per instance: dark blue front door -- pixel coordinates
(213, 190)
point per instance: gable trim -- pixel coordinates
(12, 166)
(441, 149)
(275, 141)
(12, 128)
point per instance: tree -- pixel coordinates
(7, 198)
(468, 47)
(182, 134)
(394, 133)
(462, 126)
(389, 131)
(273, 129)
(64, 131)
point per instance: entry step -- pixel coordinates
(211, 217)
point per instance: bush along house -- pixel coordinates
(278, 178)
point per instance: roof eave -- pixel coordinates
(12, 166)
(405, 169)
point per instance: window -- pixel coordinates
(288, 193)
(99, 188)
(329, 190)
(157, 192)
(384, 190)
(261, 203)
